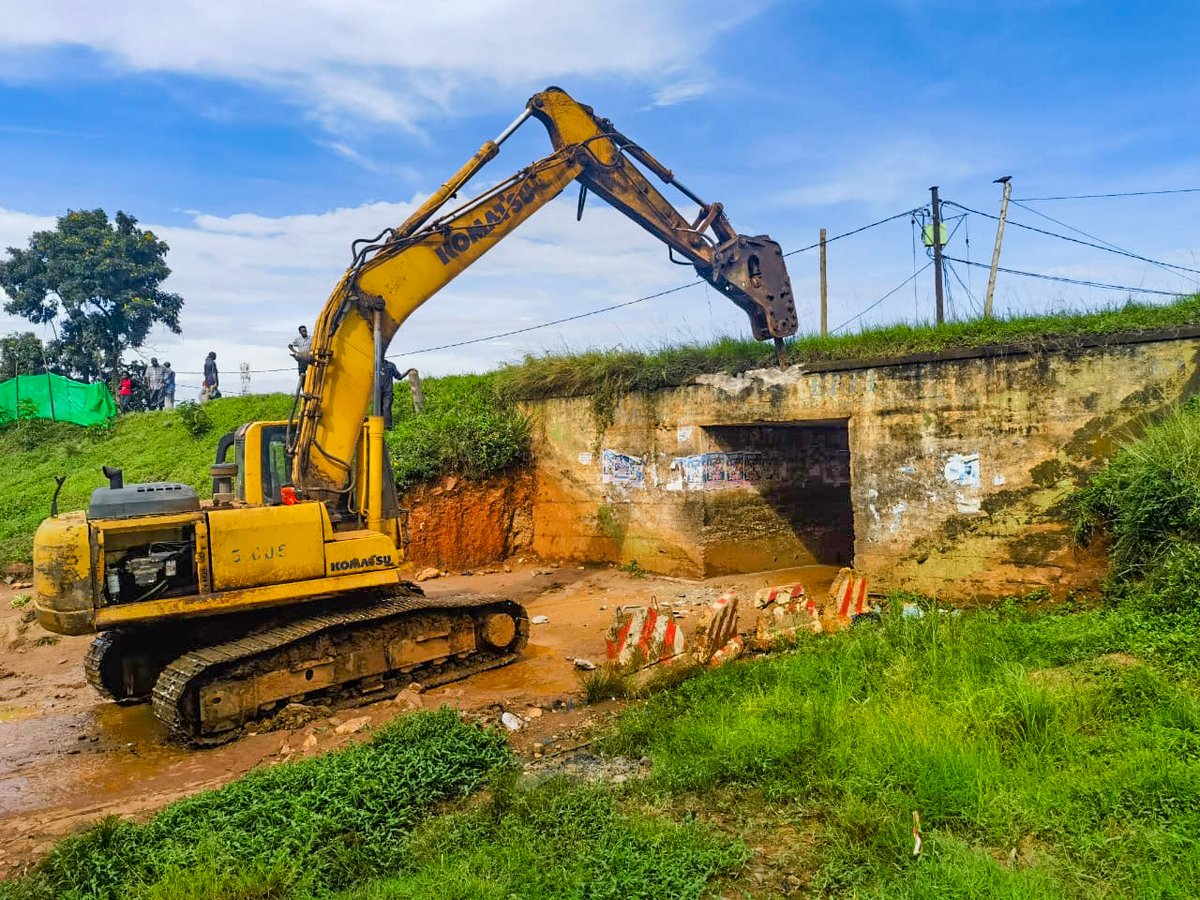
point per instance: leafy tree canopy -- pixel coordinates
(99, 281)
(21, 354)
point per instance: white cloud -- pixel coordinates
(381, 61)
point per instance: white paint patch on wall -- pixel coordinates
(684, 433)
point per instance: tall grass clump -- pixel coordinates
(295, 830)
(1147, 499)
(467, 428)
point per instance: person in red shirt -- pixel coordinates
(125, 392)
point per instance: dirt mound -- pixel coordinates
(458, 524)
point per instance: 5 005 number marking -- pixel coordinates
(275, 551)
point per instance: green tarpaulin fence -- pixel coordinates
(54, 397)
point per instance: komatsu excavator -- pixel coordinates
(287, 585)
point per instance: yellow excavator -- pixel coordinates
(287, 586)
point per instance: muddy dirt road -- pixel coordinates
(68, 758)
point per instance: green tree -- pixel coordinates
(99, 281)
(21, 354)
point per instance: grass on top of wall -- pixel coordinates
(613, 372)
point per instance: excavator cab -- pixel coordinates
(261, 467)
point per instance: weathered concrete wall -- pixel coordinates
(958, 468)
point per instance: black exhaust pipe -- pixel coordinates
(116, 480)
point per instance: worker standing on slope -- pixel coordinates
(388, 376)
(212, 382)
(154, 381)
(168, 401)
(125, 392)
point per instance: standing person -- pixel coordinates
(154, 381)
(125, 392)
(388, 375)
(212, 381)
(168, 401)
(301, 347)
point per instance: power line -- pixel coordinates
(846, 234)
(1111, 248)
(884, 297)
(1064, 279)
(1106, 196)
(584, 315)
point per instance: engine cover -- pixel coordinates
(154, 498)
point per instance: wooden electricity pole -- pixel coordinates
(824, 291)
(937, 255)
(987, 302)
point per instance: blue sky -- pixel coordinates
(260, 139)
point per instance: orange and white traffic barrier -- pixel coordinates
(643, 636)
(716, 637)
(784, 612)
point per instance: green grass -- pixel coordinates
(557, 840)
(611, 373)
(297, 830)
(466, 428)
(1002, 730)
(1147, 499)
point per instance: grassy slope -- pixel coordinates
(620, 371)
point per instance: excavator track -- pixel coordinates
(339, 658)
(123, 664)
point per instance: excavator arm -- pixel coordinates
(394, 273)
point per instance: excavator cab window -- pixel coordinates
(276, 464)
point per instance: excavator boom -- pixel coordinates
(392, 276)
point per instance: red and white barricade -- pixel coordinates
(643, 636)
(784, 612)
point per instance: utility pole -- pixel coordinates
(937, 255)
(824, 291)
(987, 303)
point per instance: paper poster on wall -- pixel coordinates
(623, 469)
(962, 470)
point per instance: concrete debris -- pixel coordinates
(309, 742)
(715, 640)
(533, 712)
(428, 574)
(540, 620)
(785, 611)
(912, 611)
(848, 595)
(643, 636)
(286, 750)
(511, 722)
(585, 665)
(353, 726)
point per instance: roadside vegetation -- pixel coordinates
(466, 428)
(612, 373)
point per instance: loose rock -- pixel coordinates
(584, 664)
(540, 620)
(428, 574)
(511, 722)
(353, 726)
